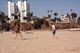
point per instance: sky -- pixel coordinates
(40, 7)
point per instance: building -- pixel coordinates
(22, 7)
(65, 19)
(11, 10)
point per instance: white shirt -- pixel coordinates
(53, 27)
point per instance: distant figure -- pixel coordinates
(53, 29)
(17, 29)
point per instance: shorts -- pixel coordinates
(54, 31)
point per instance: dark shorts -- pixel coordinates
(54, 31)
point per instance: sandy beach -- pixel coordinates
(41, 42)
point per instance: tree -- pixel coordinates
(7, 18)
(55, 14)
(78, 19)
(51, 11)
(74, 15)
(24, 18)
(30, 14)
(47, 11)
(49, 16)
(71, 10)
(58, 19)
(16, 17)
(2, 17)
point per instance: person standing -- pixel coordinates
(53, 30)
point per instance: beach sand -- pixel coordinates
(41, 42)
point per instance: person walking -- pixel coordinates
(53, 29)
(17, 29)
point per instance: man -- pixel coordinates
(53, 29)
(17, 27)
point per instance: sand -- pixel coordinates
(41, 42)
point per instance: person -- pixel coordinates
(17, 29)
(53, 30)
